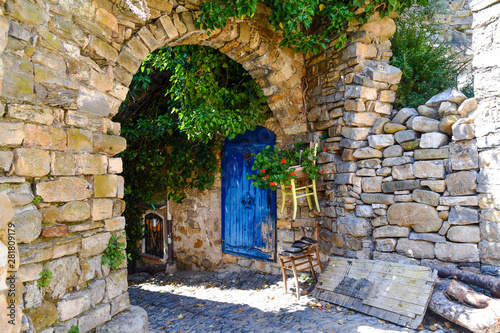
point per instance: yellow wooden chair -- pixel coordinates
(299, 192)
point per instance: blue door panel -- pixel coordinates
(248, 213)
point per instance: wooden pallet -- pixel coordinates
(393, 292)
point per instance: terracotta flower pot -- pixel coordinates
(299, 171)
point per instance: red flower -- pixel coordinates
(290, 186)
(322, 171)
(283, 161)
(324, 149)
(263, 171)
(273, 184)
(293, 173)
(264, 178)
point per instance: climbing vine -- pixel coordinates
(183, 102)
(295, 18)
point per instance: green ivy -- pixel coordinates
(114, 253)
(74, 329)
(183, 102)
(294, 18)
(45, 277)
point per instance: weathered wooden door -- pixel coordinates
(248, 213)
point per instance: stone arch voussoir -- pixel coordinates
(277, 70)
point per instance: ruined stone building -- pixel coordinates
(413, 186)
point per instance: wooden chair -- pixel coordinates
(303, 261)
(303, 191)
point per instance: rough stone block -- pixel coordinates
(114, 224)
(102, 209)
(74, 212)
(30, 272)
(385, 244)
(45, 137)
(91, 164)
(464, 155)
(464, 234)
(463, 130)
(63, 164)
(428, 237)
(461, 183)
(94, 318)
(134, 319)
(355, 91)
(401, 185)
(364, 211)
(79, 140)
(459, 201)
(93, 102)
(392, 161)
(390, 128)
(31, 113)
(431, 154)
(429, 169)
(356, 227)
(403, 115)
(74, 304)
(367, 152)
(467, 107)
(425, 125)
(490, 231)
(457, 252)
(371, 184)
(428, 112)
(415, 249)
(31, 162)
(63, 189)
(11, 134)
(489, 252)
(54, 231)
(6, 158)
(434, 185)
(426, 197)
(391, 231)
(378, 198)
(403, 172)
(380, 141)
(463, 215)
(28, 222)
(393, 151)
(355, 133)
(84, 120)
(388, 73)
(105, 186)
(433, 140)
(450, 95)
(65, 273)
(109, 144)
(94, 245)
(115, 165)
(422, 218)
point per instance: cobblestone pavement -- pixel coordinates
(247, 302)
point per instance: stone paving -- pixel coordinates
(248, 302)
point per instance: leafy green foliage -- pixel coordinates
(114, 253)
(428, 67)
(295, 18)
(37, 199)
(182, 103)
(74, 329)
(276, 166)
(45, 277)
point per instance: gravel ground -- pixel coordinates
(249, 302)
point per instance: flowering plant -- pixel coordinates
(278, 166)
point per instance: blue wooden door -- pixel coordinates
(248, 213)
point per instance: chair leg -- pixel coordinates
(296, 278)
(294, 197)
(312, 268)
(308, 198)
(283, 197)
(318, 260)
(283, 272)
(316, 195)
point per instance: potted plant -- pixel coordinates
(278, 166)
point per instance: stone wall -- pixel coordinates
(486, 46)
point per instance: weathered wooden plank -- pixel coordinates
(393, 292)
